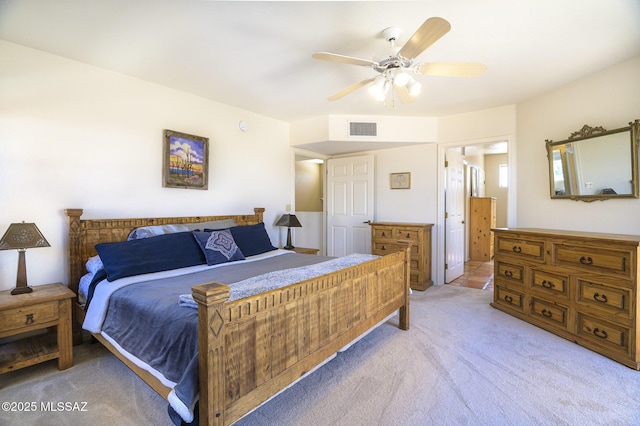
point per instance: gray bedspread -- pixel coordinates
(170, 342)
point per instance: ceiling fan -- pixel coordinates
(396, 66)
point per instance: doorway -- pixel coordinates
(308, 200)
(483, 160)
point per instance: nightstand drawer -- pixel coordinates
(28, 316)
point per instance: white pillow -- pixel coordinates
(94, 264)
(152, 231)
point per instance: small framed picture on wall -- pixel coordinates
(400, 180)
(186, 161)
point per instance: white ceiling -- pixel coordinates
(257, 55)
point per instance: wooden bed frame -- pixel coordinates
(253, 348)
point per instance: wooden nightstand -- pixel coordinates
(305, 250)
(47, 307)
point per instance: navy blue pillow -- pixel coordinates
(154, 254)
(218, 246)
(252, 239)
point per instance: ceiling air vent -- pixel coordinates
(363, 129)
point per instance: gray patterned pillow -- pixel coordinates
(218, 246)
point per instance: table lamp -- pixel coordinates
(21, 236)
(290, 221)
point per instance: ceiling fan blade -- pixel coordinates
(326, 56)
(430, 32)
(452, 69)
(352, 88)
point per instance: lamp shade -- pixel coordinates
(289, 220)
(22, 236)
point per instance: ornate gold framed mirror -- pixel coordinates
(595, 164)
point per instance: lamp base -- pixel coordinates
(21, 290)
(289, 246)
(21, 280)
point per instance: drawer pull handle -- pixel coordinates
(517, 249)
(547, 313)
(508, 274)
(383, 248)
(29, 319)
(586, 260)
(384, 235)
(508, 299)
(598, 298)
(408, 235)
(601, 334)
(547, 284)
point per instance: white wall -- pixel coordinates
(406, 205)
(610, 98)
(77, 136)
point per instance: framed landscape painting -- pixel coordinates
(185, 162)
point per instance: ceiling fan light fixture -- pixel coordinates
(379, 88)
(402, 78)
(414, 87)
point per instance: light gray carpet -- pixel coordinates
(462, 363)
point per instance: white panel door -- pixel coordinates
(454, 216)
(350, 192)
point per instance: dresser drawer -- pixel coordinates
(603, 333)
(599, 295)
(509, 272)
(508, 297)
(551, 313)
(556, 285)
(28, 316)
(382, 232)
(406, 234)
(593, 259)
(395, 233)
(521, 248)
(381, 248)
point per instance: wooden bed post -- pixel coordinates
(259, 211)
(75, 270)
(404, 310)
(211, 357)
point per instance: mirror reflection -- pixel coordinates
(595, 164)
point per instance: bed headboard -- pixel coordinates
(85, 234)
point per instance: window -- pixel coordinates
(503, 175)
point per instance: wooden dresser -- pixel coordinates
(482, 219)
(579, 285)
(384, 240)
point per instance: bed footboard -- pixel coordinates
(251, 349)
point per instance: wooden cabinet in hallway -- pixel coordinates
(482, 218)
